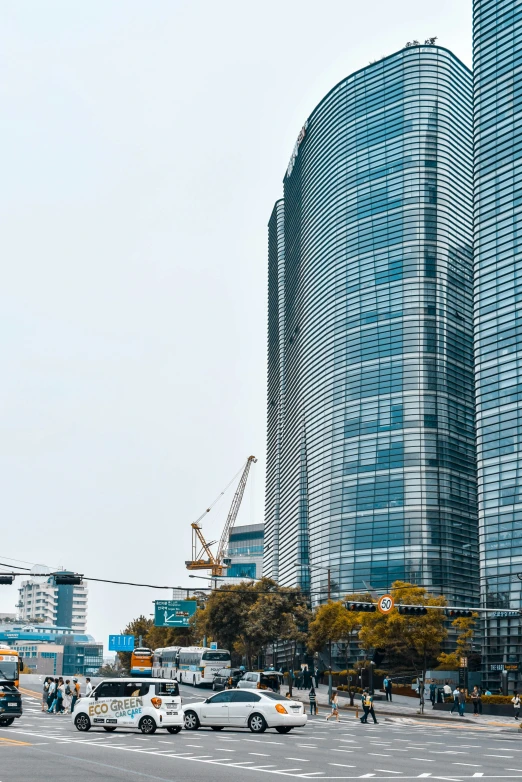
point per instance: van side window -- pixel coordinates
(110, 690)
(135, 689)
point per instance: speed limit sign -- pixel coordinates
(386, 604)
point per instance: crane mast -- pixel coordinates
(202, 556)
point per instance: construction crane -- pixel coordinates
(202, 556)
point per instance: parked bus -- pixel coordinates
(166, 662)
(198, 664)
(141, 661)
(11, 664)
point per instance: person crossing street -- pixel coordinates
(367, 704)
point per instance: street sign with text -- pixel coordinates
(173, 613)
(121, 643)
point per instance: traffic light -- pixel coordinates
(413, 610)
(378, 656)
(361, 606)
(6, 579)
(456, 612)
(67, 579)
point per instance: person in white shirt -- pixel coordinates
(515, 700)
(88, 687)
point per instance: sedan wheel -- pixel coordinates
(191, 720)
(7, 721)
(174, 728)
(257, 723)
(147, 725)
(217, 727)
(82, 722)
(110, 728)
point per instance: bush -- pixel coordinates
(499, 699)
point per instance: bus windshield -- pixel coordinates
(222, 656)
(8, 671)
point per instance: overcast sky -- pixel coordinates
(143, 145)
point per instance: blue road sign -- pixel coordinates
(121, 643)
(173, 613)
(213, 645)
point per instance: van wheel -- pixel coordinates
(217, 727)
(147, 725)
(283, 729)
(82, 722)
(109, 728)
(7, 721)
(174, 728)
(191, 720)
(257, 723)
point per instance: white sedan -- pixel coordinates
(245, 709)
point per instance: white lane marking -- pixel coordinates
(264, 755)
(473, 765)
(366, 775)
(302, 760)
(377, 755)
(343, 750)
(506, 757)
(481, 773)
(221, 749)
(388, 771)
(261, 741)
(424, 760)
(426, 774)
(343, 765)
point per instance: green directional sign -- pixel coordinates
(173, 613)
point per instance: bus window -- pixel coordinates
(216, 656)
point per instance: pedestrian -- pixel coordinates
(299, 679)
(75, 695)
(60, 695)
(316, 677)
(335, 707)
(306, 678)
(462, 701)
(88, 687)
(476, 697)
(45, 693)
(433, 693)
(67, 696)
(455, 705)
(385, 686)
(389, 686)
(488, 692)
(53, 691)
(313, 700)
(515, 700)
(447, 690)
(367, 703)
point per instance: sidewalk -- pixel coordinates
(405, 707)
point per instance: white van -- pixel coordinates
(261, 680)
(131, 703)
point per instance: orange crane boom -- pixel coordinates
(202, 556)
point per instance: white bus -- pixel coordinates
(166, 661)
(198, 664)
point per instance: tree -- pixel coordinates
(465, 627)
(332, 623)
(415, 638)
(248, 616)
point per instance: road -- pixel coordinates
(40, 746)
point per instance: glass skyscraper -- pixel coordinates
(497, 37)
(371, 450)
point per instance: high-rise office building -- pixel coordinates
(63, 605)
(371, 460)
(497, 33)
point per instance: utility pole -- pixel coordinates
(329, 586)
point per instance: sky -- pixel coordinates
(144, 145)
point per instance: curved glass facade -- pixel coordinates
(498, 343)
(371, 461)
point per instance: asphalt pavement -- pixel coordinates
(41, 746)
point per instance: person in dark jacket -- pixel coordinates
(313, 701)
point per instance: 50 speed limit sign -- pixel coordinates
(386, 604)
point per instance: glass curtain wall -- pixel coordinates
(497, 37)
(375, 457)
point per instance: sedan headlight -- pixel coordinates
(280, 708)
